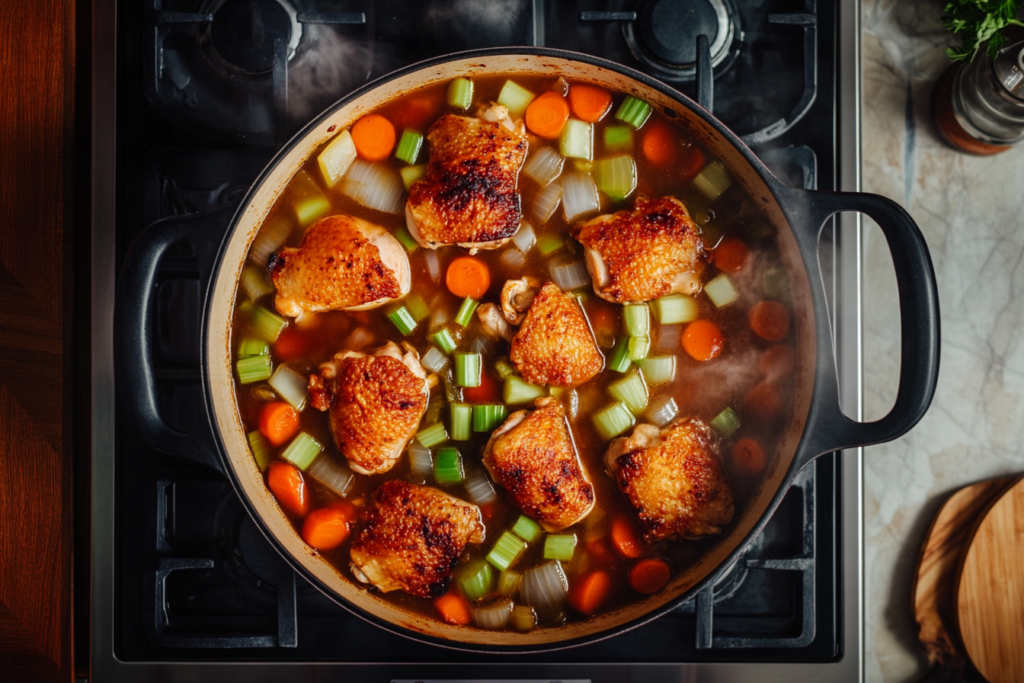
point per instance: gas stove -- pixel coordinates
(193, 97)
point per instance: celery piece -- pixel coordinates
(658, 369)
(448, 466)
(403, 236)
(577, 140)
(613, 420)
(337, 156)
(462, 421)
(516, 98)
(432, 435)
(260, 449)
(726, 422)
(524, 618)
(403, 320)
(638, 319)
(633, 111)
(410, 174)
(506, 551)
(444, 340)
(639, 347)
(618, 138)
(467, 369)
(527, 529)
(721, 291)
(302, 451)
(713, 180)
(253, 347)
(253, 369)
(255, 282)
(620, 361)
(632, 391)
(675, 308)
(549, 243)
(418, 308)
(460, 93)
(311, 208)
(616, 177)
(487, 417)
(504, 368)
(268, 325)
(409, 146)
(466, 310)
(475, 579)
(508, 581)
(559, 547)
(518, 391)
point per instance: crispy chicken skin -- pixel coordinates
(674, 479)
(376, 403)
(411, 538)
(644, 253)
(555, 345)
(469, 196)
(343, 263)
(533, 456)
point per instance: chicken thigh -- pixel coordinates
(674, 479)
(469, 196)
(644, 253)
(343, 263)
(376, 403)
(411, 538)
(533, 456)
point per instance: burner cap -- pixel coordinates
(243, 32)
(669, 28)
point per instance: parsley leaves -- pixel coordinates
(978, 21)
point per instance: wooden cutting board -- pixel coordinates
(990, 591)
(936, 568)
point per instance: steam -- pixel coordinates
(470, 20)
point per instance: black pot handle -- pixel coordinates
(133, 321)
(828, 428)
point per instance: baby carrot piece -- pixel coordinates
(292, 344)
(589, 103)
(468, 276)
(453, 608)
(374, 137)
(418, 111)
(748, 456)
(659, 144)
(731, 255)
(327, 528)
(546, 115)
(649, 575)
(769, 320)
(587, 593)
(624, 538)
(763, 401)
(776, 362)
(489, 390)
(691, 163)
(286, 482)
(702, 340)
(279, 422)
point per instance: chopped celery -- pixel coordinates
(639, 347)
(409, 146)
(260, 449)
(302, 451)
(418, 308)
(309, 209)
(508, 581)
(773, 283)
(253, 347)
(616, 177)
(475, 579)
(618, 138)
(632, 391)
(633, 111)
(432, 435)
(460, 93)
(658, 369)
(726, 422)
(506, 551)
(675, 308)
(518, 391)
(515, 97)
(527, 529)
(577, 140)
(268, 325)
(255, 282)
(410, 174)
(448, 466)
(620, 361)
(467, 369)
(466, 310)
(403, 236)
(559, 547)
(462, 421)
(721, 291)
(613, 420)
(444, 340)
(337, 156)
(253, 369)
(487, 417)
(403, 320)
(713, 180)
(524, 618)
(549, 243)
(504, 368)
(638, 320)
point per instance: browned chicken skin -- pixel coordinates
(411, 538)
(555, 345)
(469, 196)
(376, 403)
(644, 253)
(533, 456)
(674, 479)
(343, 263)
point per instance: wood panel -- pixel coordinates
(36, 116)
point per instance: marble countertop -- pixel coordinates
(971, 210)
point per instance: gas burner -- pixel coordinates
(243, 32)
(664, 35)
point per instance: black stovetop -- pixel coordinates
(207, 91)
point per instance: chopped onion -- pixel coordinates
(662, 410)
(375, 186)
(359, 339)
(482, 344)
(544, 165)
(525, 237)
(433, 264)
(420, 462)
(512, 260)
(479, 487)
(337, 477)
(544, 586)
(569, 275)
(668, 337)
(546, 201)
(438, 318)
(291, 386)
(255, 282)
(523, 618)
(495, 616)
(579, 195)
(269, 239)
(434, 360)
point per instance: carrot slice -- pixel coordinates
(625, 539)
(327, 528)
(702, 340)
(286, 482)
(769, 320)
(489, 390)
(468, 276)
(763, 401)
(649, 575)
(547, 114)
(588, 593)
(777, 362)
(691, 163)
(453, 608)
(279, 422)
(731, 255)
(659, 144)
(600, 552)
(418, 111)
(588, 102)
(374, 137)
(748, 456)
(292, 344)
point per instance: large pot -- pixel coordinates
(815, 426)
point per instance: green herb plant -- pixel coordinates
(979, 23)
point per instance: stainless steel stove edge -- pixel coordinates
(106, 667)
